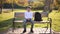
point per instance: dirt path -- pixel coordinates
(36, 31)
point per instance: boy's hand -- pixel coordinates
(28, 18)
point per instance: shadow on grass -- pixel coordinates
(5, 25)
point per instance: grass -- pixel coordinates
(56, 20)
(6, 20)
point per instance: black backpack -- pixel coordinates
(37, 17)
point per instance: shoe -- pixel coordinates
(24, 31)
(32, 31)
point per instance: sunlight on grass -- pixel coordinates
(6, 16)
(55, 20)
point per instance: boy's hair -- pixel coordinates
(29, 7)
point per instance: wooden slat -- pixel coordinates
(44, 14)
(34, 21)
(21, 14)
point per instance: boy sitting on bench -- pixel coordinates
(28, 18)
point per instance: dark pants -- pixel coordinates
(25, 21)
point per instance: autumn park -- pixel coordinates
(12, 16)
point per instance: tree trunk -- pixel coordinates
(1, 7)
(59, 9)
(0, 10)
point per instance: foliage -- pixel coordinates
(25, 3)
(58, 1)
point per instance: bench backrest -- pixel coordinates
(44, 14)
(21, 14)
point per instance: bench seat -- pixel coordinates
(34, 21)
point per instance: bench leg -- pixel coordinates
(47, 28)
(50, 29)
(50, 26)
(13, 25)
(47, 25)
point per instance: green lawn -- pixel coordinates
(6, 20)
(55, 20)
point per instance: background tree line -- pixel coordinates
(35, 4)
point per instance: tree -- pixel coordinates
(0, 6)
(58, 3)
(48, 5)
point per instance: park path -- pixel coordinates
(36, 31)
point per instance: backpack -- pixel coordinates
(37, 17)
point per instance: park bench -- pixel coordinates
(20, 15)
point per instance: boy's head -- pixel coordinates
(28, 9)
